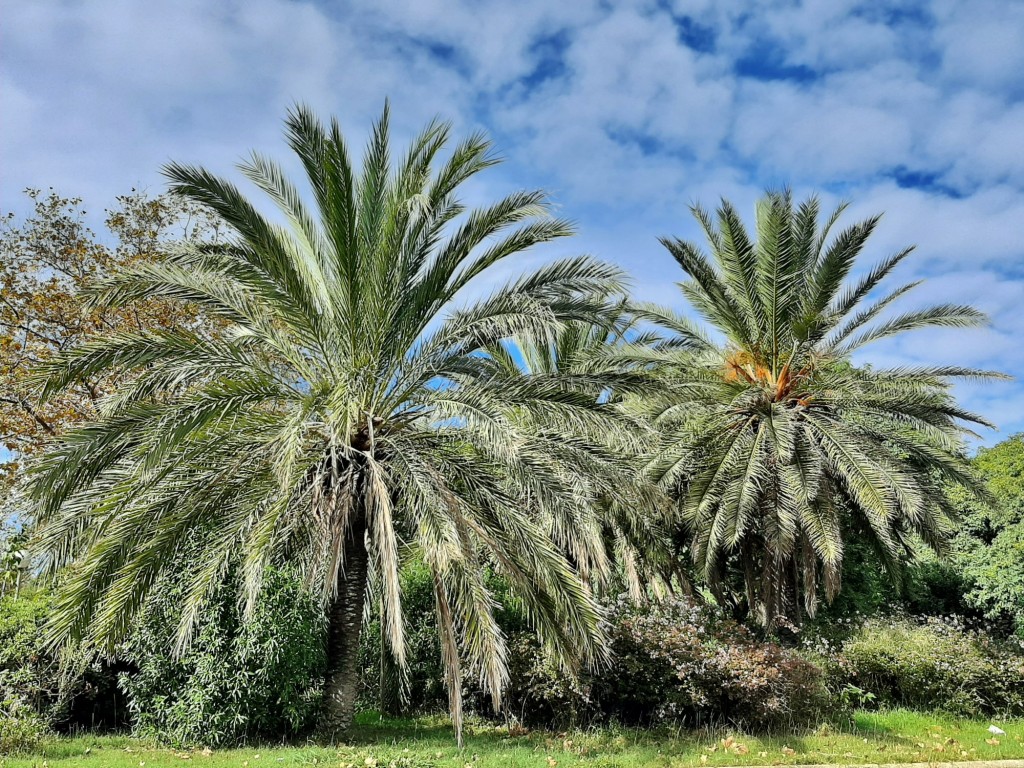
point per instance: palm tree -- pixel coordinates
(346, 420)
(628, 531)
(775, 442)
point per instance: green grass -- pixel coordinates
(895, 736)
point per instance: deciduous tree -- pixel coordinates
(46, 261)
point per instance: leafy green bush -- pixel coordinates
(70, 690)
(29, 677)
(933, 665)
(540, 693)
(989, 548)
(425, 690)
(21, 729)
(238, 680)
(677, 661)
(673, 661)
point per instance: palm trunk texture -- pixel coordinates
(345, 621)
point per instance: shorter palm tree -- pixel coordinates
(629, 530)
(773, 440)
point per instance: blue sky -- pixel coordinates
(626, 112)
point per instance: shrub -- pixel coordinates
(74, 689)
(238, 680)
(539, 693)
(674, 661)
(425, 690)
(933, 665)
(677, 661)
(29, 676)
(21, 729)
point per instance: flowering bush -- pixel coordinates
(933, 664)
(678, 661)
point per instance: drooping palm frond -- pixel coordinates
(772, 437)
(346, 417)
(603, 361)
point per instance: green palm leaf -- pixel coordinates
(347, 419)
(772, 439)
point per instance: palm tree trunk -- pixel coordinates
(345, 623)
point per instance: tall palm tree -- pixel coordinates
(347, 419)
(774, 440)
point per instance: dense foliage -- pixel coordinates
(46, 262)
(990, 546)
(41, 689)
(238, 680)
(29, 678)
(672, 661)
(676, 661)
(933, 665)
(776, 444)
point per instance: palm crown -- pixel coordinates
(775, 441)
(345, 419)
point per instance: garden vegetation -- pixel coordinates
(275, 462)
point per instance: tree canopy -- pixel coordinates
(348, 417)
(772, 438)
(990, 546)
(46, 262)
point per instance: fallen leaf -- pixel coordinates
(993, 742)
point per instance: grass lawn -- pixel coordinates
(896, 736)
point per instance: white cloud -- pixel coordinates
(606, 105)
